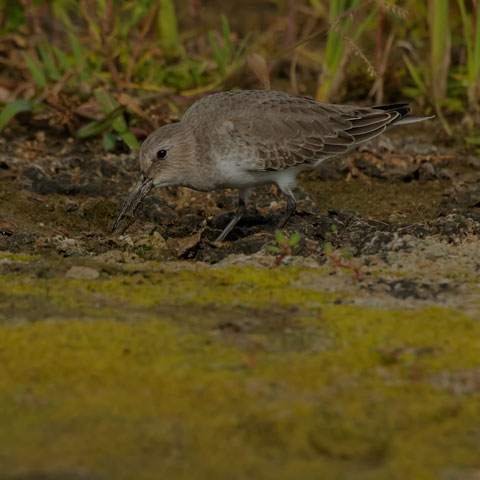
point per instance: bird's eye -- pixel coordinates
(161, 154)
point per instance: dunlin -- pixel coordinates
(247, 138)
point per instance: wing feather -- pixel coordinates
(283, 130)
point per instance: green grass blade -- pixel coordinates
(48, 60)
(294, 239)
(109, 141)
(279, 237)
(415, 74)
(472, 43)
(442, 118)
(440, 15)
(63, 8)
(129, 138)
(226, 36)
(466, 33)
(216, 53)
(439, 48)
(476, 47)
(108, 103)
(77, 48)
(106, 100)
(62, 59)
(365, 24)
(168, 27)
(335, 45)
(78, 56)
(11, 109)
(37, 73)
(97, 127)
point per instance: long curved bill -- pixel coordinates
(139, 192)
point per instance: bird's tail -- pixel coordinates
(404, 110)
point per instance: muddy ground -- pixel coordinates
(56, 191)
(156, 351)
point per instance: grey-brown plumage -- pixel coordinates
(252, 137)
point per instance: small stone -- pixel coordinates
(426, 171)
(82, 273)
(72, 206)
(40, 136)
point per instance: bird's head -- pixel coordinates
(166, 157)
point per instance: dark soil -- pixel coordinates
(59, 195)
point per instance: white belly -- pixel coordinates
(234, 173)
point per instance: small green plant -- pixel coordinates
(474, 141)
(115, 46)
(222, 54)
(431, 78)
(49, 65)
(339, 44)
(64, 50)
(471, 34)
(114, 119)
(285, 246)
(168, 28)
(341, 258)
(439, 56)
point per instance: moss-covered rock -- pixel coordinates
(151, 373)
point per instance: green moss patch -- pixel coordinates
(386, 201)
(17, 257)
(234, 373)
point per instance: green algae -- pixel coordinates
(232, 287)
(231, 373)
(379, 199)
(17, 257)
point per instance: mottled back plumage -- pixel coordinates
(289, 130)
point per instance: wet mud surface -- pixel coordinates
(156, 351)
(61, 197)
(387, 182)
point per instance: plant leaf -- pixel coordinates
(99, 126)
(37, 73)
(109, 141)
(78, 55)
(415, 74)
(279, 236)
(328, 248)
(109, 104)
(226, 35)
(48, 61)
(216, 53)
(294, 239)
(62, 59)
(168, 27)
(11, 109)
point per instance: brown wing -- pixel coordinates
(287, 130)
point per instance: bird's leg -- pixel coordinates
(241, 210)
(291, 205)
